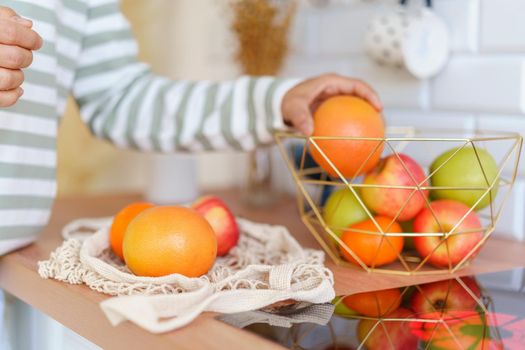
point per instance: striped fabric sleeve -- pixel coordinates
(123, 102)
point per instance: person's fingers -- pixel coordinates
(14, 33)
(10, 78)
(23, 21)
(300, 118)
(337, 85)
(9, 98)
(363, 90)
(334, 85)
(14, 57)
(303, 100)
(7, 13)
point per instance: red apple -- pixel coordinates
(445, 296)
(459, 244)
(394, 171)
(221, 220)
(398, 334)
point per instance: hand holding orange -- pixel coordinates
(347, 116)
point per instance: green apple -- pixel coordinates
(464, 170)
(343, 209)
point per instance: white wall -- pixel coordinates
(483, 85)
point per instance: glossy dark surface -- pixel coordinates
(476, 312)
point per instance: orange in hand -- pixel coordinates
(347, 116)
(120, 224)
(371, 248)
(168, 239)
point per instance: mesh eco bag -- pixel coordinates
(268, 265)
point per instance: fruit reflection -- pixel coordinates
(392, 332)
(461, 294)
(341, 309)
(457, 330)
(440, 316)
(374, 304)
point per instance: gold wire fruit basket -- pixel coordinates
(476, 169)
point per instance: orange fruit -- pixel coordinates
(373, 249)
(169, 239)
(374, 304)
(120, 224)
(347, 116)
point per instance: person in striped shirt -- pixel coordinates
(85, 48)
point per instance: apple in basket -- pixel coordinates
(221, 220)
(444, 296)
(399, 203)
(342, 209)
(463, 168)
(441, 217)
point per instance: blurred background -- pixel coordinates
(482, 86)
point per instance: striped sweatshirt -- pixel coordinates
(89, 52)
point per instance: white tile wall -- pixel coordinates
(481, 84)
(334, 29)
(462, 18)
(396, 87)
(430, 119)
(512, 221)
(303, 33)
(425, 152)
(502, 26)
(341, 30)
(504, 123)
(302, 66)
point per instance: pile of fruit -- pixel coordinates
(438, 315)
(394, 194)
(162, 240)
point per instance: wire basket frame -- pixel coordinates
(421, 144)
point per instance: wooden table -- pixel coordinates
(76, 306)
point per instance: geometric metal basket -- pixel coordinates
(423, 145)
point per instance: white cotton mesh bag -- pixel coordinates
(267, 266)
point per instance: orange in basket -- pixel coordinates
(371, 248)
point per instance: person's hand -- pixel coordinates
(304, 98)
(17, 41)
